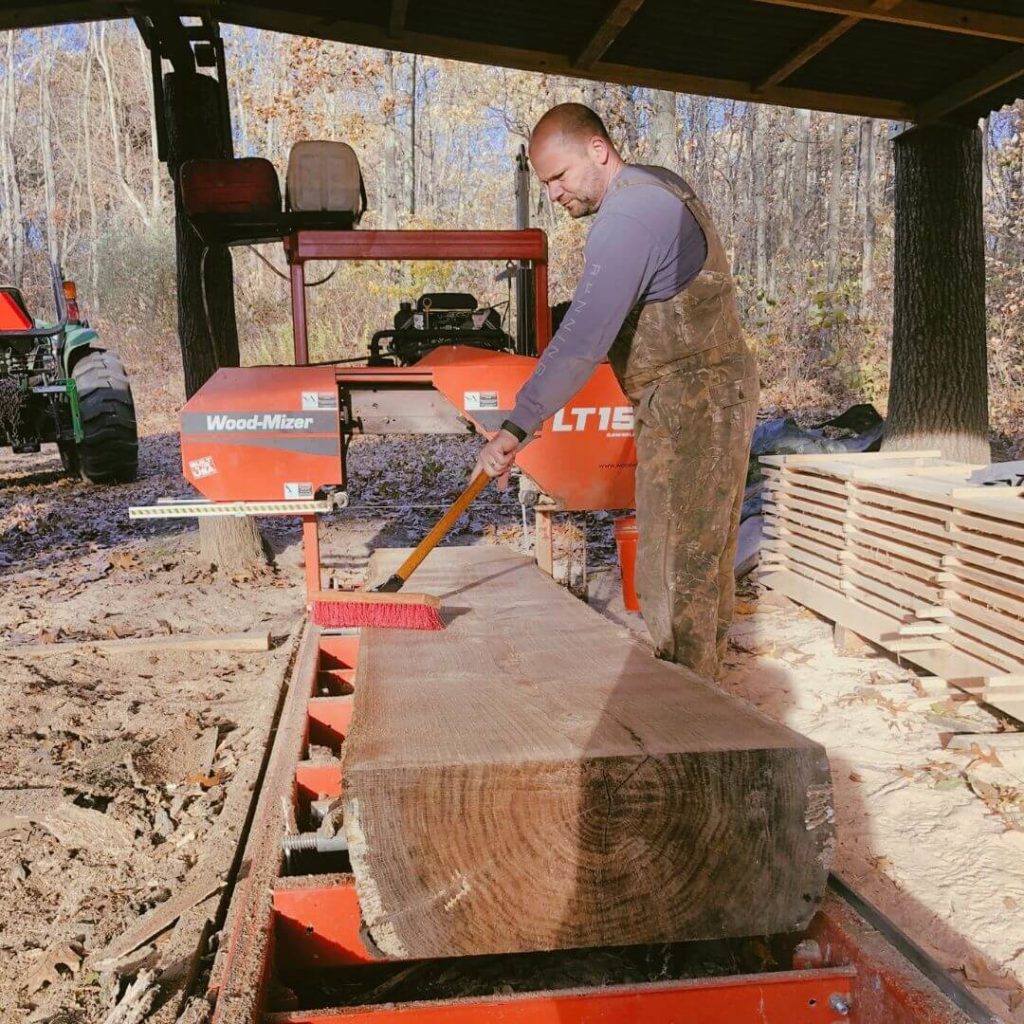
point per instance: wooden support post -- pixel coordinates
(311, 555)
(298, 282)
(939, 375)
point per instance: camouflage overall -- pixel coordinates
(693, 384)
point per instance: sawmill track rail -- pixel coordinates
(294, 951)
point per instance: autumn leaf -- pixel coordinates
(980, 756)
(978, 972)
(124, 560)
(206, 781)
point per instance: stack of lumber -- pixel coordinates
(984, 576)
(532, 778)
(805, 519)
(906, 550)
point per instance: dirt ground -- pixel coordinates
(124, 777)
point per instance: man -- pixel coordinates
(657, 299)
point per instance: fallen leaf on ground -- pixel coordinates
(979, 756)
(47, 969)
(745, 607)
(978, 972)
(124, 560)
(206, 781)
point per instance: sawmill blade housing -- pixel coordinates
(281, 433)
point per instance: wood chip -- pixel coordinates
(75, 827)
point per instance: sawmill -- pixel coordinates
(476, 786)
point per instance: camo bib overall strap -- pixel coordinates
(693, 383)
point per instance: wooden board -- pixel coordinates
(532, 778)
(975, 523)
(998, 502)
(796, 478)
(865, 512)
(870, 624)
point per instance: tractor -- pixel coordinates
(59, 384)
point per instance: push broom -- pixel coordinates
(383, 606)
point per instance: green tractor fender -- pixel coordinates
(77, 339)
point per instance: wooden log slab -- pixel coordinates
(532, 778)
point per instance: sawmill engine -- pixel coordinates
(438, 318)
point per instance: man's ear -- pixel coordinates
(600, 150)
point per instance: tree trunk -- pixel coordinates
(758, 158)
(155, 180)
(6, 220)
(663, 131)
(94, 264)
(9, 160)
(392, 169)
(103, 59)
(46, 157)
(631, 122)
(835, 198)
(801, 144)
(866, 209)
(194, 130)
(939, 376)
(412, 141)
(232, 543)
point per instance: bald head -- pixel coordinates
(574, 158)
(573, 122)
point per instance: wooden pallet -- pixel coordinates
(904, 549)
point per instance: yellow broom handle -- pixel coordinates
(447, 521)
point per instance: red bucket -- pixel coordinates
(625, 540)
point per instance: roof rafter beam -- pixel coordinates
(620, 15)
(363, 34)
(920, 14)
(958, 95)
(814, 46)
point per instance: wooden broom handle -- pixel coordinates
(446, 522)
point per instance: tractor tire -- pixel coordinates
(109, 449)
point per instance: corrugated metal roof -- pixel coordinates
(715, 47)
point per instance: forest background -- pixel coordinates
(803, 200)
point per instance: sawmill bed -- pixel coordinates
(295, 949)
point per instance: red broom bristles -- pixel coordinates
(379, 614)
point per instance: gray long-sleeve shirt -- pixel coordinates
(644, 246)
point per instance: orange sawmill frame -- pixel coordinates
(280, 924)
(529, 244)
